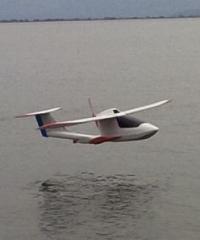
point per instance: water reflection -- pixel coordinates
(91, 207)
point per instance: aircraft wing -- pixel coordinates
(81, 121)
(103, 117)
(140, 109)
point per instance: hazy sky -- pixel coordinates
(21, 9)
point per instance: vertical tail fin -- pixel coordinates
(42, 118)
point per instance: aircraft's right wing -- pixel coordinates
(103, 117)
(81, 121)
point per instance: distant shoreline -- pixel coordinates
(91, 19)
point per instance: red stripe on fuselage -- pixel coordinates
(103, 139)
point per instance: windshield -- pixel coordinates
(128, 122)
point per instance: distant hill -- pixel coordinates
(70, 9)
(188, 13)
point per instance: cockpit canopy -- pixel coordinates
(128, 122)
(116, 110)
(124, 121)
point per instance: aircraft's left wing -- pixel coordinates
(103, 117)
(140, 109)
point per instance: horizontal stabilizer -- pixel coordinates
(42, 118)
(32, 114)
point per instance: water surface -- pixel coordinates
(53, 189)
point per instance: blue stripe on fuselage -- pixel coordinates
(40, 124)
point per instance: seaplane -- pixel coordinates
(114, 125)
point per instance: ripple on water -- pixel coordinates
(87, 206)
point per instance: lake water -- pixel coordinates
(53, 189)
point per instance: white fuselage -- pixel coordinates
(118, 129)
(139, 131)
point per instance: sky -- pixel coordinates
(32, 9)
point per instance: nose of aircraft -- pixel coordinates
(150, 130)
(153, 128)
